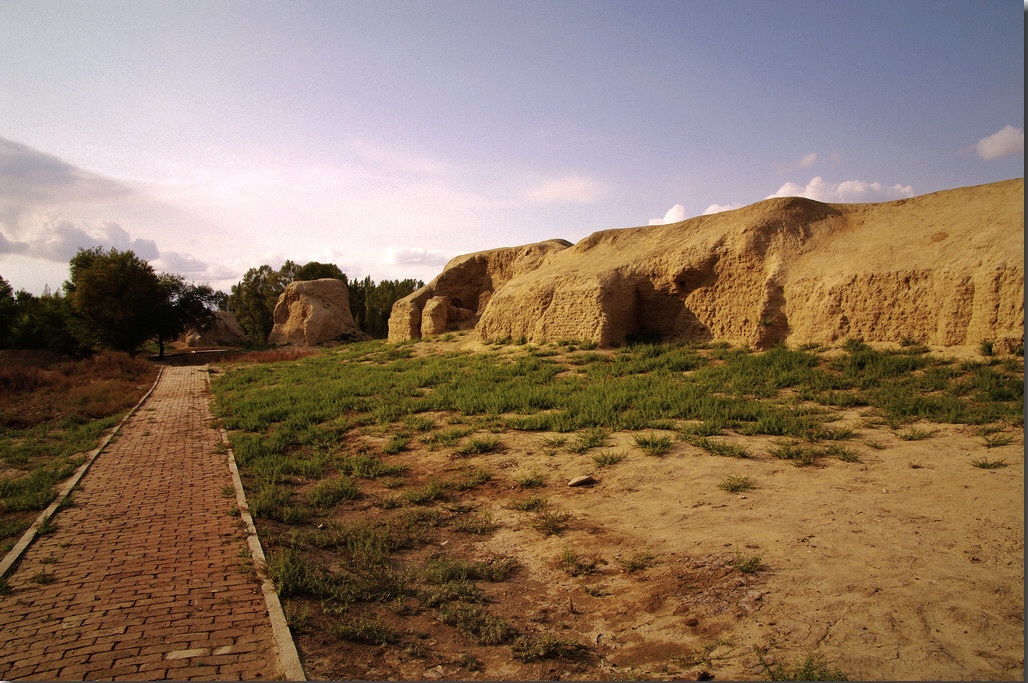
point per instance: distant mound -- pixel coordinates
(314, 312)
(944, 269)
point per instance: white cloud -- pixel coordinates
(673, 215)
(413, 256)
(1004, 142)
(846, 192)
(806, 161)
(188, 266)
(718, 208)
(569, 189)
(55, 238)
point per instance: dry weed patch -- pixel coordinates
(49, 416)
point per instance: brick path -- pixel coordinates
(148, 575)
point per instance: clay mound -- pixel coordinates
(314, 312)
(223, 330)
(455, 299)
(944, 269)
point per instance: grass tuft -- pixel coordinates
(653, 444)
(608, 458)
(986, 464)
(734, 483)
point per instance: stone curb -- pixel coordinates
(13, 555)
(289, 658)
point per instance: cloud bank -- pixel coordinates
(673, 215)
(413, 256)
(1004, 142)
(50, 209)
(846, 192)
(718, 208)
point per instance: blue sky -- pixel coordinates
(387, 137)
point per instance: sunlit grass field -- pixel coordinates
(353, 535)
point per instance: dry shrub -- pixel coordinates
(16, 379)
(95, 387)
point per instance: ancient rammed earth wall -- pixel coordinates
(943, 269)
(457, 297)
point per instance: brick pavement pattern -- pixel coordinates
(148, 575)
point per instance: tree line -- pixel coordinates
(115, 300)
(252, 299)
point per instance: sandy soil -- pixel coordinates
(908, 564)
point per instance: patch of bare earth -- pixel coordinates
(907, 564)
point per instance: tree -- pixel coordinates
(318, 271)
(119, 302)
(8, 312)
(253, 301)
(182, 305)
(371, 304)
(116, 297)
(43, 322)
(253, 298)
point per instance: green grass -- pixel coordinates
(530, 504)
(987, 464)
(530, 648)
(478, 445)
(719, 447)
(917, 434)
(328, 492)
(365, 630)
(578, 565)
(796, 452)
(551, 523)
(531, 479)
(608, 458)
(475, 622)
(349, 424)
(481, 523)
(996, 440)
(734, 483)
(433, 490)
(746, 564)
(592, 438)
(653, 444)
(810, 669)
(636, 562)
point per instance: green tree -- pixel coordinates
(252, 300)
(43, 322)
(182, 305)
(371, 303)
(318, 271)
(116, 297)
(8, 312)
(119, 302)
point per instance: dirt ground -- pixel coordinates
(908, 564)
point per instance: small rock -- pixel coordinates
(584, 480)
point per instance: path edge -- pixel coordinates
(15, 553)
(289, 657)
